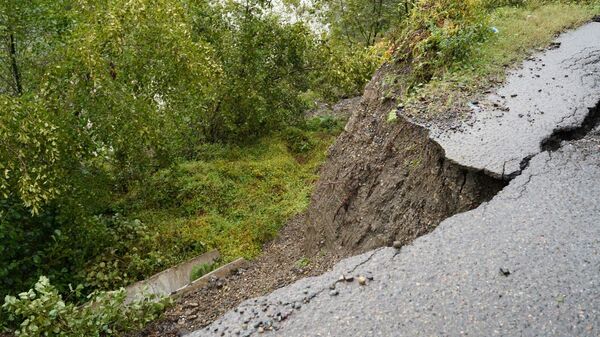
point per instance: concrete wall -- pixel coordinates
(170, 280)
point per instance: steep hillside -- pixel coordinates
(385, 181)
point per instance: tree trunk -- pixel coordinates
(18, 87)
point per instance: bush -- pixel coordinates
(131, 252)
(343, 70)
(440, 34)
(41, 311)
(297, 140)
(325, 123)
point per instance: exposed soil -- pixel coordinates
(279, 265)
(386, 181)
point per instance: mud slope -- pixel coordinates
(387, 181)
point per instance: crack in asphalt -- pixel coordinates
(554, 142)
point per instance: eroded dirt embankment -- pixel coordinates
(387, 181)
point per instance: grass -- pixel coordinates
(520, 30)
(234, 198)
(200, 270)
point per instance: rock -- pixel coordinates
(397, 244)
(504, 272)
(261, 329)
(554, 45)
(362, 280)
(334, 293)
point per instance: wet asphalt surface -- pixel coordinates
(551, 90)
(526, 263)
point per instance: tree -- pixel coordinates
(363, 21)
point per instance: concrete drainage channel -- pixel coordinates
(176, 281)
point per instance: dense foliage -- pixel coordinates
(96, 96)
(42, 311)
(440, 33)
(364, 21)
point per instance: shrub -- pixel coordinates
(131, 252)
(41, 311)
(440, 34)
(297, 140)
(325, 123)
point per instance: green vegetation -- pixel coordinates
(42, 311)
(100, 98)
(137, 133)
(522, 27)
(303, 262)
(186, 114)
(233, 198)
(201, 270)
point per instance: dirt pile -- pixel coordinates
(386, 181)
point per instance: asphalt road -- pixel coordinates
(552, 90)
(526, 263)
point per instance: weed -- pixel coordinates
(202, 269)
(303, 262)
(392, 116)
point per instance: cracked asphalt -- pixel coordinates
(551, 90)
(526, 263)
